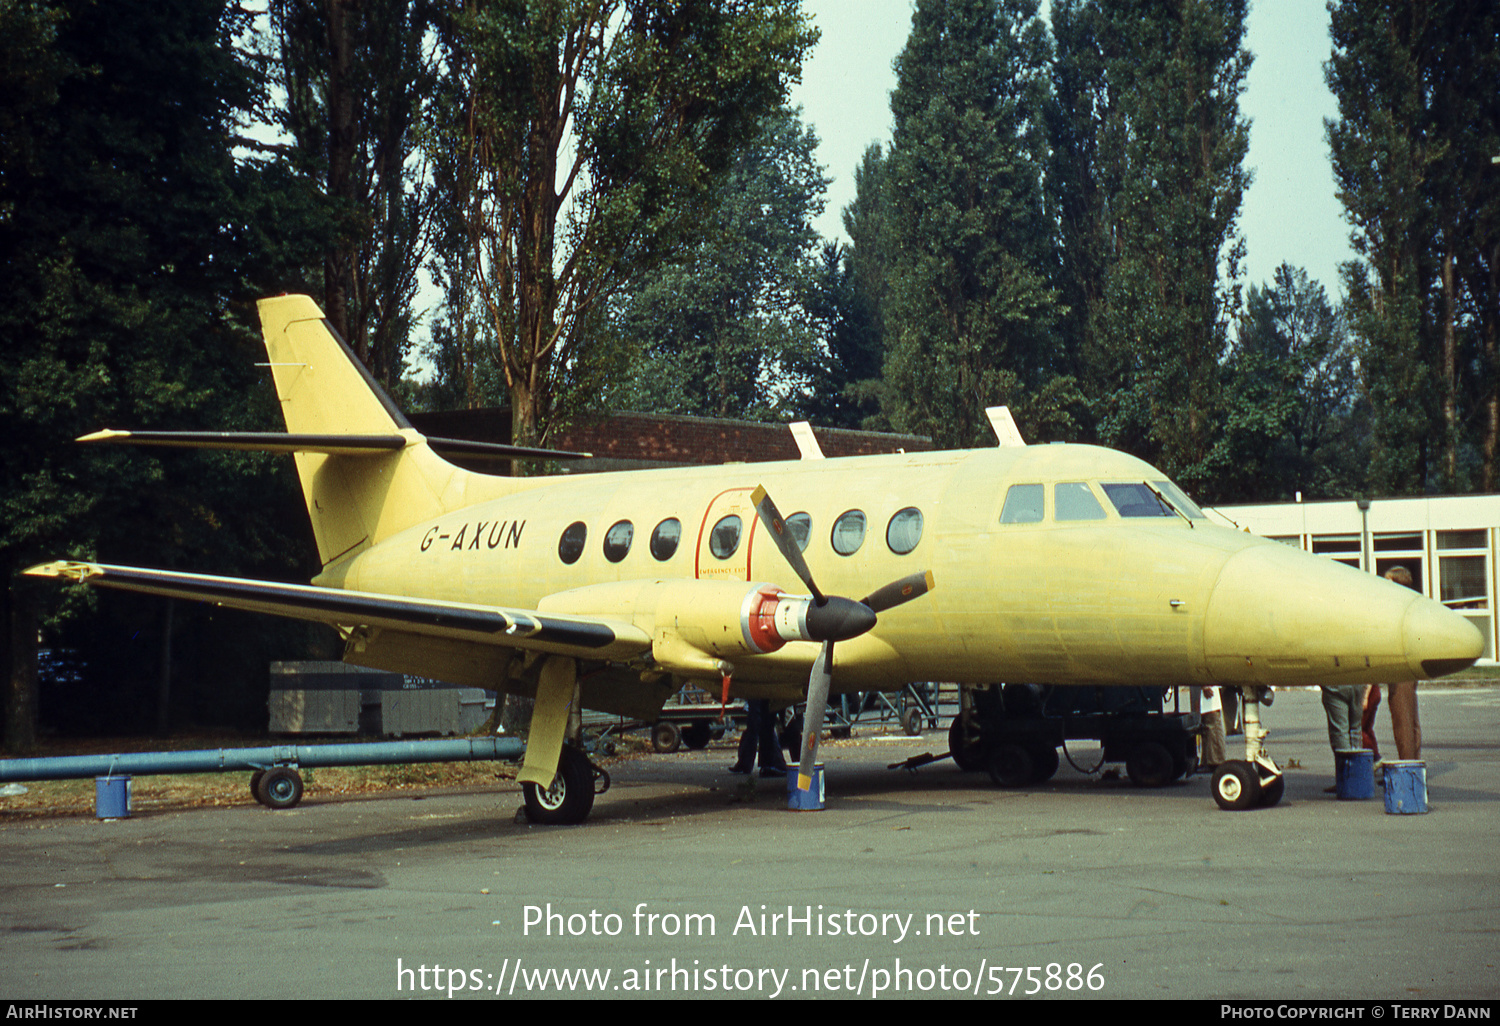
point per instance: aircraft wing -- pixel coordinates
(567, 634)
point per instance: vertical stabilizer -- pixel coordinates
(353, 499)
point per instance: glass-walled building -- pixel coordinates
(1446, 542)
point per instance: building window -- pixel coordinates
(617, 541)
(665, 538)
(570, 547)
(849, 532)
(1463, 578)
(1341, 547)
(904, 530)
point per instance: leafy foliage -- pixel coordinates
(581, 143)
(724, 329)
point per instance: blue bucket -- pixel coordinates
(1354, 774)
(809, 800)
(112, 797)
(1405, 786)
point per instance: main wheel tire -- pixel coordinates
(1236, 785)
(697, 735)
(1271, 791)
(280, 788)
(665, 737)
(1010, 766)
(966, 757)
(1044, 763)
(571, 795)
(1149, 764)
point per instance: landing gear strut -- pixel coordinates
(1256, 780)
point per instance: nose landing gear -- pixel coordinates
(1256, 780)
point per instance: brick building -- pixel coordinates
(638, 441)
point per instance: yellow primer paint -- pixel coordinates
(1106, 599)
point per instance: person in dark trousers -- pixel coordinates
(760, 733)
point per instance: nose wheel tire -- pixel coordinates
(1236, 786)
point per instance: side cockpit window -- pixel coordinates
(1073, 500)
(1023, 505)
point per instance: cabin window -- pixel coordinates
(617, 541)
(1023, 505)
(800, 525)
(1072, 500)
(1136, 499)
(570, 547)
(904, 530)
(849, 532)
(665, 538)
(724, 539)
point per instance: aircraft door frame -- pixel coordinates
(706, 565)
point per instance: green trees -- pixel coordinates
(352, 78)
(724, 328)
(1152, 221)
(1293, 421)
(1418, 124)
(129, 260)
(581, 143)
(970, 303)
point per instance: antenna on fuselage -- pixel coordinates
(807, 442)
(1004, 426)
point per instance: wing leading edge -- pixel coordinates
(583, 636)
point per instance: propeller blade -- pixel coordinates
(787, 545)
(818, 683)
(897, 592)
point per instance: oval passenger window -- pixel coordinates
(849, 532)
(665, 538)
(570, 546)
(617, 541)
(904, 530)
(725, 538)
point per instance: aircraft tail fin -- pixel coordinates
(366, 473)
(355, 496)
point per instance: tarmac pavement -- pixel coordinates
(690, 882)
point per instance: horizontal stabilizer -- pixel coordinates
(343, 445)
(513, 628)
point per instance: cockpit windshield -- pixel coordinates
(1150, 499)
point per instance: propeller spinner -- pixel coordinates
(830, 618)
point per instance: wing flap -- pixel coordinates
(587, 636)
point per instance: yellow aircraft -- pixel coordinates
(1054, 564)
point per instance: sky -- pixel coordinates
(1289, 214)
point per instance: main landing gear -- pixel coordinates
(571, 796)
(1255, 780)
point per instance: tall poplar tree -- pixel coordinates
(353, 79)
(970, 304)
(1418, 123)
(1170, 155)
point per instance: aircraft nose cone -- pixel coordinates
(1280, 616)
(1439, 641)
